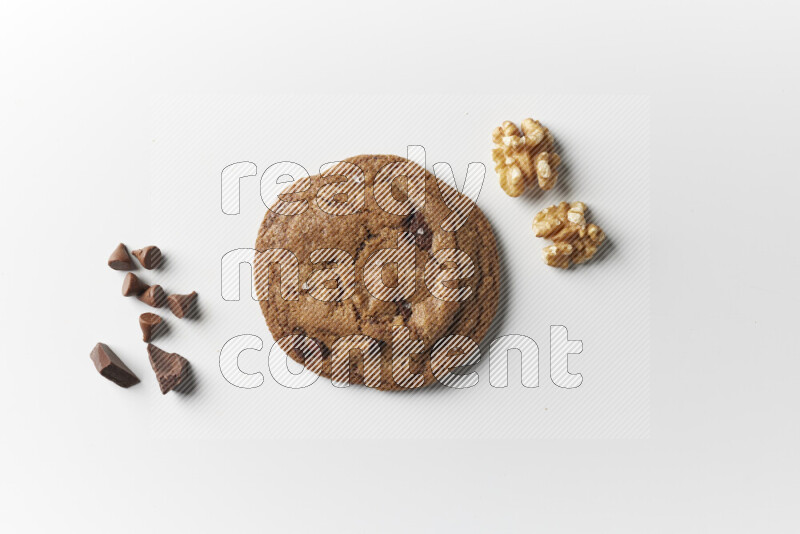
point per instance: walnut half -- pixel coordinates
(573, 240)
(524, 157)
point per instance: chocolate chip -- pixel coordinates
(404, 310)
(419, 228)
(149, 257)
(170, 368)
(110, 366)
(326, 352)
(154, 296)
(120, 260)
(132, 286)
(182, 305)
(150, 323)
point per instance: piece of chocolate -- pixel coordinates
(120, 260)
(182, 305)
(110, 366)
(154, 296)
(419, 228)
(170, 368)
(150, 324)
(149, 257)
(132, 286)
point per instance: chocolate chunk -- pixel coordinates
(120, 260)
(154, 296)
(132, 286)
(149, 257)
(182, 305)
(150, 324)
(404, 310)
(170, 368)
(419, 228)
(110, 366)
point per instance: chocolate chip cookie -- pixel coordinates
(350, 214)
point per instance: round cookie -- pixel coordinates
(353, 222)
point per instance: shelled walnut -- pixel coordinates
(523, 157)
(573, 240)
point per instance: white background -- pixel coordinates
(77, 83)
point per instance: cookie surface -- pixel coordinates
(352, 221)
